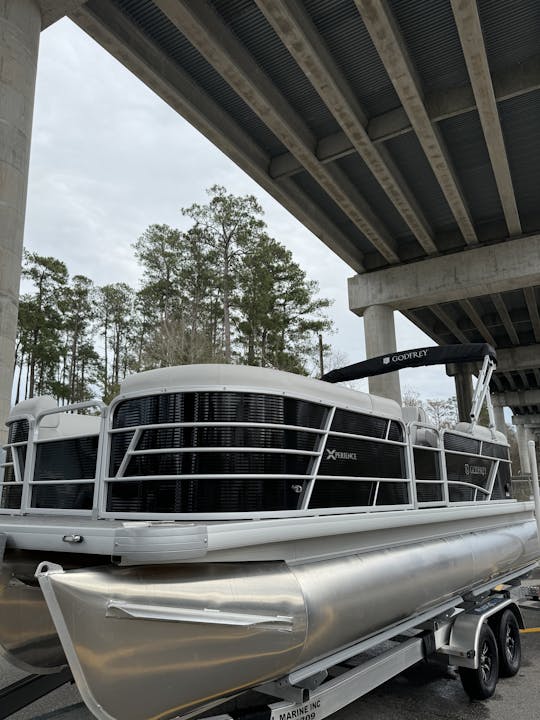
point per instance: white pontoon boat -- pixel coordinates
(217, 528)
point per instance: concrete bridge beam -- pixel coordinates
(517, 398)
(485, 270)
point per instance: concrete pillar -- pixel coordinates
(521, 434)
(464, 394)
(535, 435)
(380, 337)
(463, 382)
(500, 422)
(20, 26)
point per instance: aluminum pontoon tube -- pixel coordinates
(152, 642)
(28, 637)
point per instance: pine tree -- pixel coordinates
(40, 323)
(227, 224)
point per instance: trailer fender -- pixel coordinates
(463, 646)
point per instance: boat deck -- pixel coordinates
(293, 539)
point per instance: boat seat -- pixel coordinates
(420, 435)
(481, 433)
(414, 413)
(426, 437)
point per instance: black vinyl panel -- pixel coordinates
(362, 458)
(357, 493)
(342, 493)
(218, 407)
(63, 496)
(228, 437)
(73, 459)
(496, 451)
(119, 444)
(426, 464)
(395, 432)
(231, 462)
(10, 498)
(346, 421)
(212, 437)
(393, 493)
(202, 496)
(18, 431)
(502, 486)
(208, 407)
(474, 470)
(429, 492)
(459, 493)
(461, 443)
(9, 472)
(21, 456)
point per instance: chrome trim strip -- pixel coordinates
(207, 616)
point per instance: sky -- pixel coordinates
(109, 158)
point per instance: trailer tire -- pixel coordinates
(508, 644)
(480, 683)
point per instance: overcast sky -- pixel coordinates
(110, 158)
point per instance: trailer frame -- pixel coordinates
(448, 634)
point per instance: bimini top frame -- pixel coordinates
(439, 355)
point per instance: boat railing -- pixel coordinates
(446, 475)
(157, 471)
(68, 488)
(305, 473)
(428, 469)
(13, 467)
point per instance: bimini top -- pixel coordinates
(438, 355)
(254, 379)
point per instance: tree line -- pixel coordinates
(221, 291)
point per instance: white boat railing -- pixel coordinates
(306, 482)
(26, 477)
(427, 477)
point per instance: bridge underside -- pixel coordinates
(404, 135)
(397, 132)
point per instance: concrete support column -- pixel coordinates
(534, 435)
(500, 422)
(380, 337)
(20, 27)
(464, 395)
(522, 437)
(463, 382)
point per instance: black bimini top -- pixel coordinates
(438, 355)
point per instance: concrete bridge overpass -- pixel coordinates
(404, 134)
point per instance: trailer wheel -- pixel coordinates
(508, 644)
(480, 684)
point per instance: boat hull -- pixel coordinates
(155, 642)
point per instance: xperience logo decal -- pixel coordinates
(339, 455)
